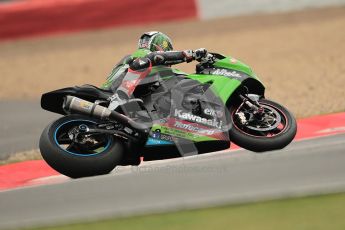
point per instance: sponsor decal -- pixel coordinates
(213, 113)
(166, 137)
(192, 128)
(194, 118)
(185, 129)
(226, 73)
(158, 135)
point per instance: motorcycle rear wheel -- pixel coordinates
(98, 155)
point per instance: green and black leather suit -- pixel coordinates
(143, 60)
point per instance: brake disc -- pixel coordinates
(265, 124)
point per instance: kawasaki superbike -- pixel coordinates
(172, 114)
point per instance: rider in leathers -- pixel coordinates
(155, 48)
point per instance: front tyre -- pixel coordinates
(87, 155)
(274, 129)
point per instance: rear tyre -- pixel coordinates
(275, 130)
(94, 155)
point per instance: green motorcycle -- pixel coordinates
(174, 114)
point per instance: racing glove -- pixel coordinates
(197, 54)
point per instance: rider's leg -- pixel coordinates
(137, 71)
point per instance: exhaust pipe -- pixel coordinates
(79, 106)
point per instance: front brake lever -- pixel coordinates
(209, 59)
(206, 62)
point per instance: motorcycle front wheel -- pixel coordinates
(273, 129)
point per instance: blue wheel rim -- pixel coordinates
(78, 122)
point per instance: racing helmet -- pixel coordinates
(155, 41)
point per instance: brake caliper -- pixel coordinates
(241, 117)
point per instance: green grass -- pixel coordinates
(314, 213)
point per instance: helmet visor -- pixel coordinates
(144, 42)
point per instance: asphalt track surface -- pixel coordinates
(314, 166)
(21, 126)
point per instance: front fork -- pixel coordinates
(251, 102)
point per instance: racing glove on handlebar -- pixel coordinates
(176, 57)
(199, 54)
